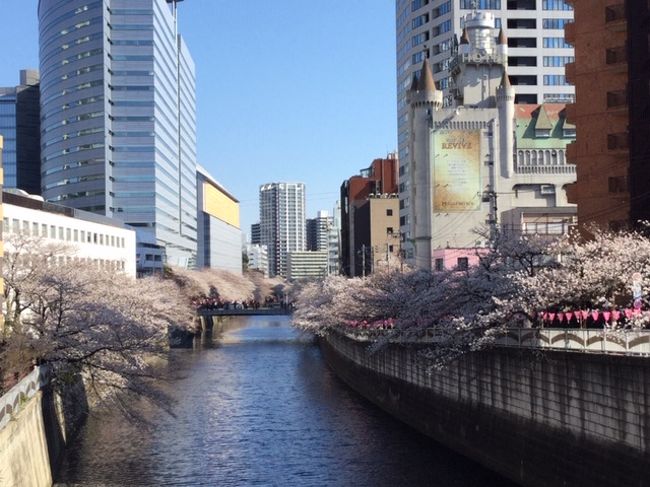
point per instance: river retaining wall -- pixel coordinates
(540, 419)
(36, 424)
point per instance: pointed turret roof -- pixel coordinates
(464, 39)
(426, 82)
(502, 37)
(414, 83)
(543, 122)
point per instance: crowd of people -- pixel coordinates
(216, 302)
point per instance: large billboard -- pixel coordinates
(456, 170)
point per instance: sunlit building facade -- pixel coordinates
(118, 130)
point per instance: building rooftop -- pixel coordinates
(542, 126)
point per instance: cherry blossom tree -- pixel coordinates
(80, 320)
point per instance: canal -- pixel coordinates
(259, 406)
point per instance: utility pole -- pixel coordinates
(363, 260)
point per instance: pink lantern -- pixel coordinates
(595, 315)
(569, 315)
(584, 314)
(616, 314)
(628, 313)
(607, 315)
(560, 317)
(551, 316)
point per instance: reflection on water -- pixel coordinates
(262, 408)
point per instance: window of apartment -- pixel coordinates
(389, 212)
(68, 234)
(555, 43)
(52, 232)
(617, 184)
(419, 21)
(35, 229)
(480, 4)
(555, 23)
(439, 265)
(101, 239)
(556, 5)
(615, 12)
(25, 228)
(43, 230)
(462, 264)
(60, 233)
(615, 55)
(555, 80)
(83, 235)
(416, 4)
(616, 98)
(617, 141)
(557, 61)
(76, 235)
(15, 225)
(112, 240)
(389, 230)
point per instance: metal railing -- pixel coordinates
(16, 397)
(607, 341)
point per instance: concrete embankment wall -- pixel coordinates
(36, 424)
(557, 419)
(24, 457)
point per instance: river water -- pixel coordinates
(259, 406)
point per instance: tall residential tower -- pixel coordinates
(282, 223)
(118, 117)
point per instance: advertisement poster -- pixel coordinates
(456, 171)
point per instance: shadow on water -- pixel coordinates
(258, 406)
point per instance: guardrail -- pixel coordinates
(14, 399)
(617, 342)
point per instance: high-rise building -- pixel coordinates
(282, 222)
(255, 234)
(612, 148)
(20, 127)
(118, 117)
(220, 236)
(483, 161)
(432, 28)
(318, 231)
(369, 216)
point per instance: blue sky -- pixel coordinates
(287, 90)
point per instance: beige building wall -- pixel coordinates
(384, 231)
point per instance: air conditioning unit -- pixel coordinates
(547, 189)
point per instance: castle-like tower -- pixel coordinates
(464, 174)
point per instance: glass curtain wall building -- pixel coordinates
(430, 28)
(118, 129)
(20, 127)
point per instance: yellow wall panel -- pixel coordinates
(219, 205)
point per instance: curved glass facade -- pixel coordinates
(118, 116)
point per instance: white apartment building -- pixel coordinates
(537, 53)
(282, 223)
(307, 264)
(93, 238)
(258, 258)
